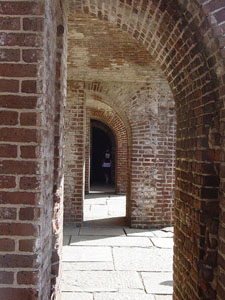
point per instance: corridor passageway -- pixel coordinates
(106, 260)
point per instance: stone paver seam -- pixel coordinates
(69, 240)
(113, 259)
(125, 231)
(142, 281)
(154, 245)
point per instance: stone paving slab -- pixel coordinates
(120, 296)
(100, 201)
(163, 297)
(158, 283)
(77, 296)
(66, 240)
(86, 254)
(162, 242)
(95, 215)
(168, 229)
(119, 241)
(163, 234)
(141, 259)
(88, 266)
(106, 231)
(102, 281)
(139, 232)
(70, 230)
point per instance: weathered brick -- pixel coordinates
(8, 118)
(6, 277)
(7, 213)
(28, 119)
(21, 8)
(31, 55)
(9, 23)
(27, 245)
(18, 135)
(9, 85)
(10, 55)
(7, 182)
(33, 24)
(18, 167)
(7, 245)
(29, 213)
(18, 70)
(17, 293)
(29, 86)
(29, 183)
(27, 277)
(20, 229)
(8, 151)
(29, 152)
(19, 39)
(18, 198)
(19, 102)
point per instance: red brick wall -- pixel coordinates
(185, 38)
(27, 85)
(74, 153)
(152, 119)
(188, 43)
(58, 187)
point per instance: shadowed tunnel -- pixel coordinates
(101, 139)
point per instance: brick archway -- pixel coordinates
(187, 39)
(113, 121)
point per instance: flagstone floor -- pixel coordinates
(106, 260)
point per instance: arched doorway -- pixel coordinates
(102, 138)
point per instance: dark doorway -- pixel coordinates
(102, 138)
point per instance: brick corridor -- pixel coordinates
(103, 260)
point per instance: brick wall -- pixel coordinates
(152, 119)
(185, 38)
(74, 152)
(27, 70)
(58, 187)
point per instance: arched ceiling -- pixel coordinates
(101, 53)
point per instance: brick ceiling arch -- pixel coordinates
(185, 38)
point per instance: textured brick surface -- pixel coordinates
(182, 42)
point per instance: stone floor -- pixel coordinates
(106, 260)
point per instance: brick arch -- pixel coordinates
(113, 121)
(186, 39)
(194, 68)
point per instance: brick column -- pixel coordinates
(74, 153)
(87, 153)
(26, 147)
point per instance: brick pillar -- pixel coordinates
(74, 153)
(87, 153)
(58, 188)
(26, 147)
